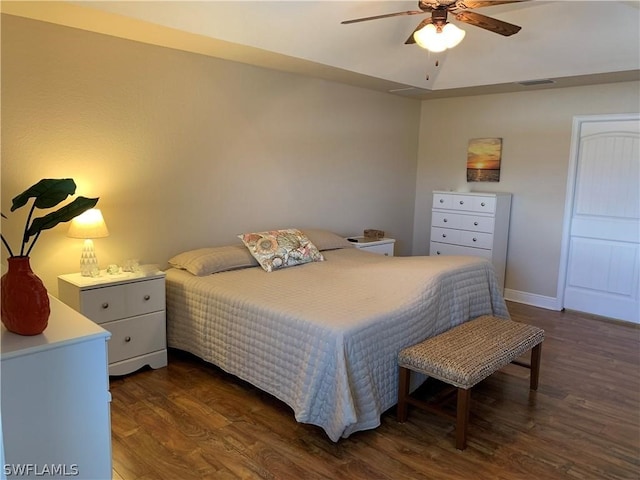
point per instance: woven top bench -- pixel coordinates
(470, 352)
(465, 355)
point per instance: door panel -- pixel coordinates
(610, 268)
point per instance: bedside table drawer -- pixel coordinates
(136, 336)
(383, 246)
(145, 297)
(103, 304)
(122, 301)
(386, 250)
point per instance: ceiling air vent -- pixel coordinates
(531, 83)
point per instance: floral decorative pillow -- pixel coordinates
(276, 249)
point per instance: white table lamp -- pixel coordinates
(88, 225)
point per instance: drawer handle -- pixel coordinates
(105, 305)
(147, 297)
(441, 200)
(444, 235)
(482, 204)
(437, 252)
(445, 220)
(127, 339)
(475, 239)
(461, 202)
(475, 224)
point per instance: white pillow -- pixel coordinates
(326, 240)
(205, 261)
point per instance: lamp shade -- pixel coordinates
(452, 35)
(438, 39)
(89, 224)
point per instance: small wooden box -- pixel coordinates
(372, 233)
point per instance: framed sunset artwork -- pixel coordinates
(483, 159)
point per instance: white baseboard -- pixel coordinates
(550, 303)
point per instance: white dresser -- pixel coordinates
(473, 223)
(129, 305)
(55, 400)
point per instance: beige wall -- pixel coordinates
(187, 151)
(536, 131)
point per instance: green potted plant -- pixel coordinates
(25, 304)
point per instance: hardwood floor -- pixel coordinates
(193, 421)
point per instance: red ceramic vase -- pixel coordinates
(25, 304)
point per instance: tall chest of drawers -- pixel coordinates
(473, 223)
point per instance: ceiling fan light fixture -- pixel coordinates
(438, 39)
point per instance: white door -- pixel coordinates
(602, 234)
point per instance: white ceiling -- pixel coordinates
(571, 42)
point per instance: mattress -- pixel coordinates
(324, 337)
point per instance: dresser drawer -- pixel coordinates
(477, 223)
(132, 337)
(437, 248)
(473, 203)
(459, 221)
(445, 235)
(462, 238)
(442, 200)
(475, 239)
(446, 219)
(124, 300)
(468, 203)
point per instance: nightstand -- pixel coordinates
(129, 305)
(384, 246)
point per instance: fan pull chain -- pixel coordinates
(437, 64)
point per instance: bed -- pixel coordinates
(323, 336)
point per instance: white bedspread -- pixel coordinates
(324, 337)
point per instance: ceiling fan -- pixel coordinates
(439, 10)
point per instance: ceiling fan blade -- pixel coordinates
(412, 40)
(488, 23)
(469, 4)
(387, 15)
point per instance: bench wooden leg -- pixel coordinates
(536, 353)
(403, 392)
(462, 417)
